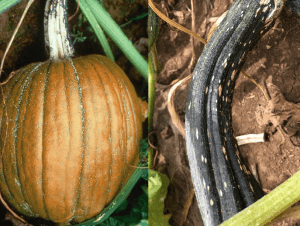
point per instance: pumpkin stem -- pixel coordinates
(57, 36)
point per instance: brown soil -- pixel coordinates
(277, 54)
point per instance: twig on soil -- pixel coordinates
(154, 162)
(254, 170)
(171, 22)
(171, 108)
(281, 113)
(14, 34)
(181, 76)
(77, 9)
(186, 207)
(252, 80)
(16, 222)
(9, 77)
(250, 138)
(192, 38)
(288, 32)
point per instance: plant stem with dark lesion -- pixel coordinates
(57, 36)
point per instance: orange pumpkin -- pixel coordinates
(70, 136)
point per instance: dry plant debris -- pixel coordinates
(279, 112)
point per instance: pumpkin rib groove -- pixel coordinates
(43, 135)
(111, 114)
(117, 96)
(125, 113)
(123, 106)
(57, 139)
(7, 190)
(56, 113)
(24, 93)
(97, 75)
(104, 107)
(110, 130)
(136, 143)
(92, 101)
(55, 80)
(64, 98)
(88, 94)
(118, 90)
(122, 103)
(118, 73)
(69, 144)
(19, 168)
(11, 127)
(69, 78)
(129, 89)
(82, 124)
(72, 164)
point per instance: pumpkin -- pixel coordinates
(70, 136)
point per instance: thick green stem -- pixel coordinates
(57, 34)
(270, 206)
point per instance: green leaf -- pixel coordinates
(158, 185)
(145, 174)
(135, 209)
(112, 222)
(97, 29)
(122, 207)
(143, 222)
(6, 4)
(135, 18)
(144, 148)
(116, 34)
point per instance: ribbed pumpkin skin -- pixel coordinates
(73, 134)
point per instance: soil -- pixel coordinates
(28, 45)
(276, 54)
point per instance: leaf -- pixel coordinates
(133, 211)
(88, 12)
(112, 222)
(122, 206)
(117, 35)
(143, 222)
(158, 185)
(6, 4)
